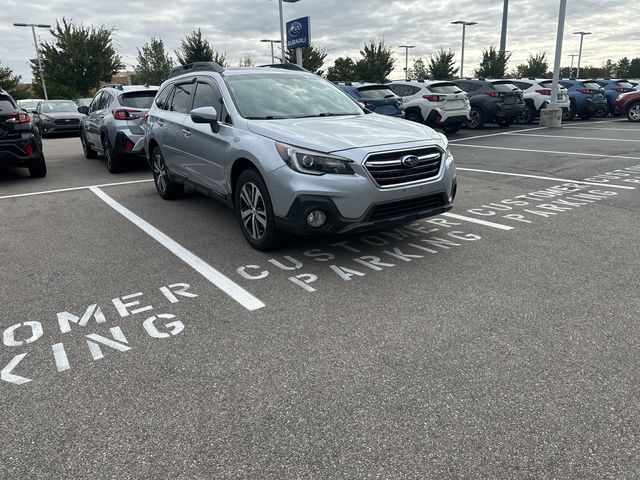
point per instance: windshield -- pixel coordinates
(444, 88)
(6, 104)
(58, 107)
(138, 99)
(28, 104)
(591, 85)
(375, 92)
(624, 85)
(270, 96)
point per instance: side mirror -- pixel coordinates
(83, 110)
(206, 115)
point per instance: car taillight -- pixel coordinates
(620, 89)
(586, 91)
(434, 98)
(494, 93)
(367, 103)
(126, 114)
(20, 117)
(544, 91)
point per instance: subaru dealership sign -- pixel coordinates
(299, 33)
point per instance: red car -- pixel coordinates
(629, 104)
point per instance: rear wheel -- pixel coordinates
(633, 113)
(166, 188)
(255, 212)
(88, 151)
(451, 128)
(565, 114)
(39, 169)
(572, 111)
(528, 115)
(476, 119)
(114, 161)
(413, 117)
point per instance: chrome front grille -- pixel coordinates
(387, 168)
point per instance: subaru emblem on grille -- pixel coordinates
(410, 161)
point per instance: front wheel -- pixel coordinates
(633, 113)
(88, 151)
(255, 212)
(452, 128)
(166, 188)
(476, 119)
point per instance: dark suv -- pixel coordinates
(20, 142)
(492, 101)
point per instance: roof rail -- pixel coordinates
(196, 67)
(117, 86)
(285, 66)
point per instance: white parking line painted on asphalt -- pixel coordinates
(601, 128)
(553, 179)
(575, 138)
(551, 152)
(496, 134)
(499, 226)
(224, 283)
(71, 189)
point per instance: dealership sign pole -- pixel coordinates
(299, 36)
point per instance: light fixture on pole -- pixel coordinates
(282, 26)
(273, 58)
(406, 59)
(464, 28)
(582, 34)
(35, 43)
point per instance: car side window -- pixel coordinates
(464, 86)
(398, 89)
(411, 90)
(182, 98)
(107, 98)
(162, 101)
(95, 102)
(521, 85)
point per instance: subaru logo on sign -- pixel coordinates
(410, 161)
(295, 29)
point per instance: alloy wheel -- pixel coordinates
(634, 112)
(253, 211)
(474, 118)
(160, 173)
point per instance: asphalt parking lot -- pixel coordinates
(145, 339)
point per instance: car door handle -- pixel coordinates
(187, 132)
(160, 123)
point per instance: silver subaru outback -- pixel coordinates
(289, 151)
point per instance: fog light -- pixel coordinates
(316, 218)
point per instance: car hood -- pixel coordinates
(334, 134)
(57, 115)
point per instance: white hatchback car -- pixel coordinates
(537, 95)
(438, 103)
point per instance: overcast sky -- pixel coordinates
(339, 26)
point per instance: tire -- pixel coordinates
(89, 152)
(452, 128)
(476, 119)
(633, 112)
(504, 122)
(528, 115)
(572, 111)
(255, 212)
(114, 161)
(565, 114)
(38, 170)
(166, 188)
(414, 117)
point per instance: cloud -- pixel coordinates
(339, 26)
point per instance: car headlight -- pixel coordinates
(313, 163)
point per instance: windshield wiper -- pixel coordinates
(329, 114)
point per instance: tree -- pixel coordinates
(441, 65)
(154, 63)
(418, 71)
(634, 68)
(344, 69)
(194, 48)
(493, 64)
(376, 63)
(11, 83)
(623, 68)
(76, 61)
(312, 58)
(246, 61)
(537, 66)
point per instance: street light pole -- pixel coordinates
(406, 59)
(503, 34)
(282, 26)
(464, 29)
(273, 58)
(35, 43)
(582, 34)
(571, 69)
